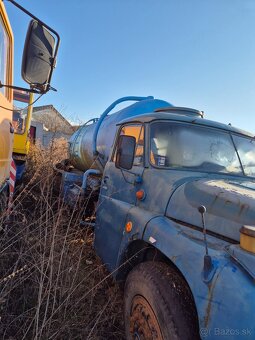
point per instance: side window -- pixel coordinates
(4, 47)
(137, 131)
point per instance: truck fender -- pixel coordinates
(216, 311)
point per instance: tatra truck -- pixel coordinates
(39, 58)
(175, 217)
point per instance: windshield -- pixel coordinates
(246, 150)
(199, 148)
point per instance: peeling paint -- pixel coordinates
(211, 288)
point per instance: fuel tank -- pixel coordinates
(81, 142)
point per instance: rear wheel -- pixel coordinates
(158, 304)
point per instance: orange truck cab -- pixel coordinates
(39, 58)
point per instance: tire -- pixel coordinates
(158, 304)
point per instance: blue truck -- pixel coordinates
(175, 217)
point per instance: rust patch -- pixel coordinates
(244, 208)
(210, 297)
(228, 202)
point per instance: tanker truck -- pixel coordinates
(174, 220)
(39, 58)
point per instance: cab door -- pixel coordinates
(117, 197)
(6, 64)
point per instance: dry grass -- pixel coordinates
(52, 285)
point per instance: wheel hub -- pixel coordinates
(143, 322)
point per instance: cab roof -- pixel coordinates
(181, 114)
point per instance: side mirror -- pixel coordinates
(38, 56)
(125, 152)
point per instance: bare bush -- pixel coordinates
(52, 284)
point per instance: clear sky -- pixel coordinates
(195, 53)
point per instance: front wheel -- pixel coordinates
(158, 304)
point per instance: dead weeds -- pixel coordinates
(52, 284)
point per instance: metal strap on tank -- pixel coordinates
(105, 113)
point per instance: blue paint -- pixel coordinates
(225, 288)
(20, 170)
(209, 269)
(244, 258)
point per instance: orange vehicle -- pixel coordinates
(39, 58)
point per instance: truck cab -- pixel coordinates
(165, 167)
(174, 220)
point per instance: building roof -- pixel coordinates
(52, 119)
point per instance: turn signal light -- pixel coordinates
(140, 195)
(129, 226)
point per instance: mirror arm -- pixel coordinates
(19, 88)
(46, 26)
(34, 17)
